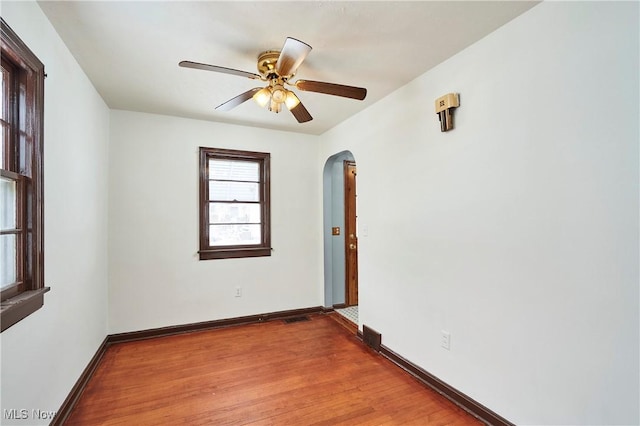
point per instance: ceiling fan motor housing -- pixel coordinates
(267, 63)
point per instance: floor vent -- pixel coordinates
(371, 338)
(295, 319)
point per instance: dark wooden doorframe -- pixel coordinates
(350, 234)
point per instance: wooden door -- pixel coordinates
(350, 236)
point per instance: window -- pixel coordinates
(234, 204)
(21, 181)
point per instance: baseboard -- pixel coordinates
(74, 395)
(208, 325)
(67, 406)
(463, 401)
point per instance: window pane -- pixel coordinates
(27, 257)
(234, 213)
(233, 191)
(7, 260)
(8, 206)
(5, 92)
(25, 154)
(3, 155)
(5, 137)
(231, 235)
(22, 105)
(234, 170)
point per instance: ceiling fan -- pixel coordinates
(277, 68)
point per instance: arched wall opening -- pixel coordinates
(333, 216)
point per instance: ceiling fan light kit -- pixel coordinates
(277, 68)
(273, 96)
(262, 97)
(292, 100)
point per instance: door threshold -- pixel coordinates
(350, 313)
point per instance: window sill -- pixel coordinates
(232, 253)
(21, 306)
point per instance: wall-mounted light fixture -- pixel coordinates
(444, 108)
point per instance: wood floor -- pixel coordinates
(304, 373)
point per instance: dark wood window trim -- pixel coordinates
(208, 251)
(24, 164)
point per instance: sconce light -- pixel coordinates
(444, 108)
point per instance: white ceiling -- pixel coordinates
(130, 50)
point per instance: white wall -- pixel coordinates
(155, 276)
(44, 354)
(518, 231)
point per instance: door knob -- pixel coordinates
(352, 246)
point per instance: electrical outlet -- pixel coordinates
(446, 340)
(238, 291)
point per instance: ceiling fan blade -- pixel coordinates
(207, 67)
(291, 56)
(234, 102)
(352, 92)
(301, 114)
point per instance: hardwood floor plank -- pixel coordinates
(303, 373)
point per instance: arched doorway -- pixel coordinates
(340, 238)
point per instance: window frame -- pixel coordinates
(25, 166)
(208, 251)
